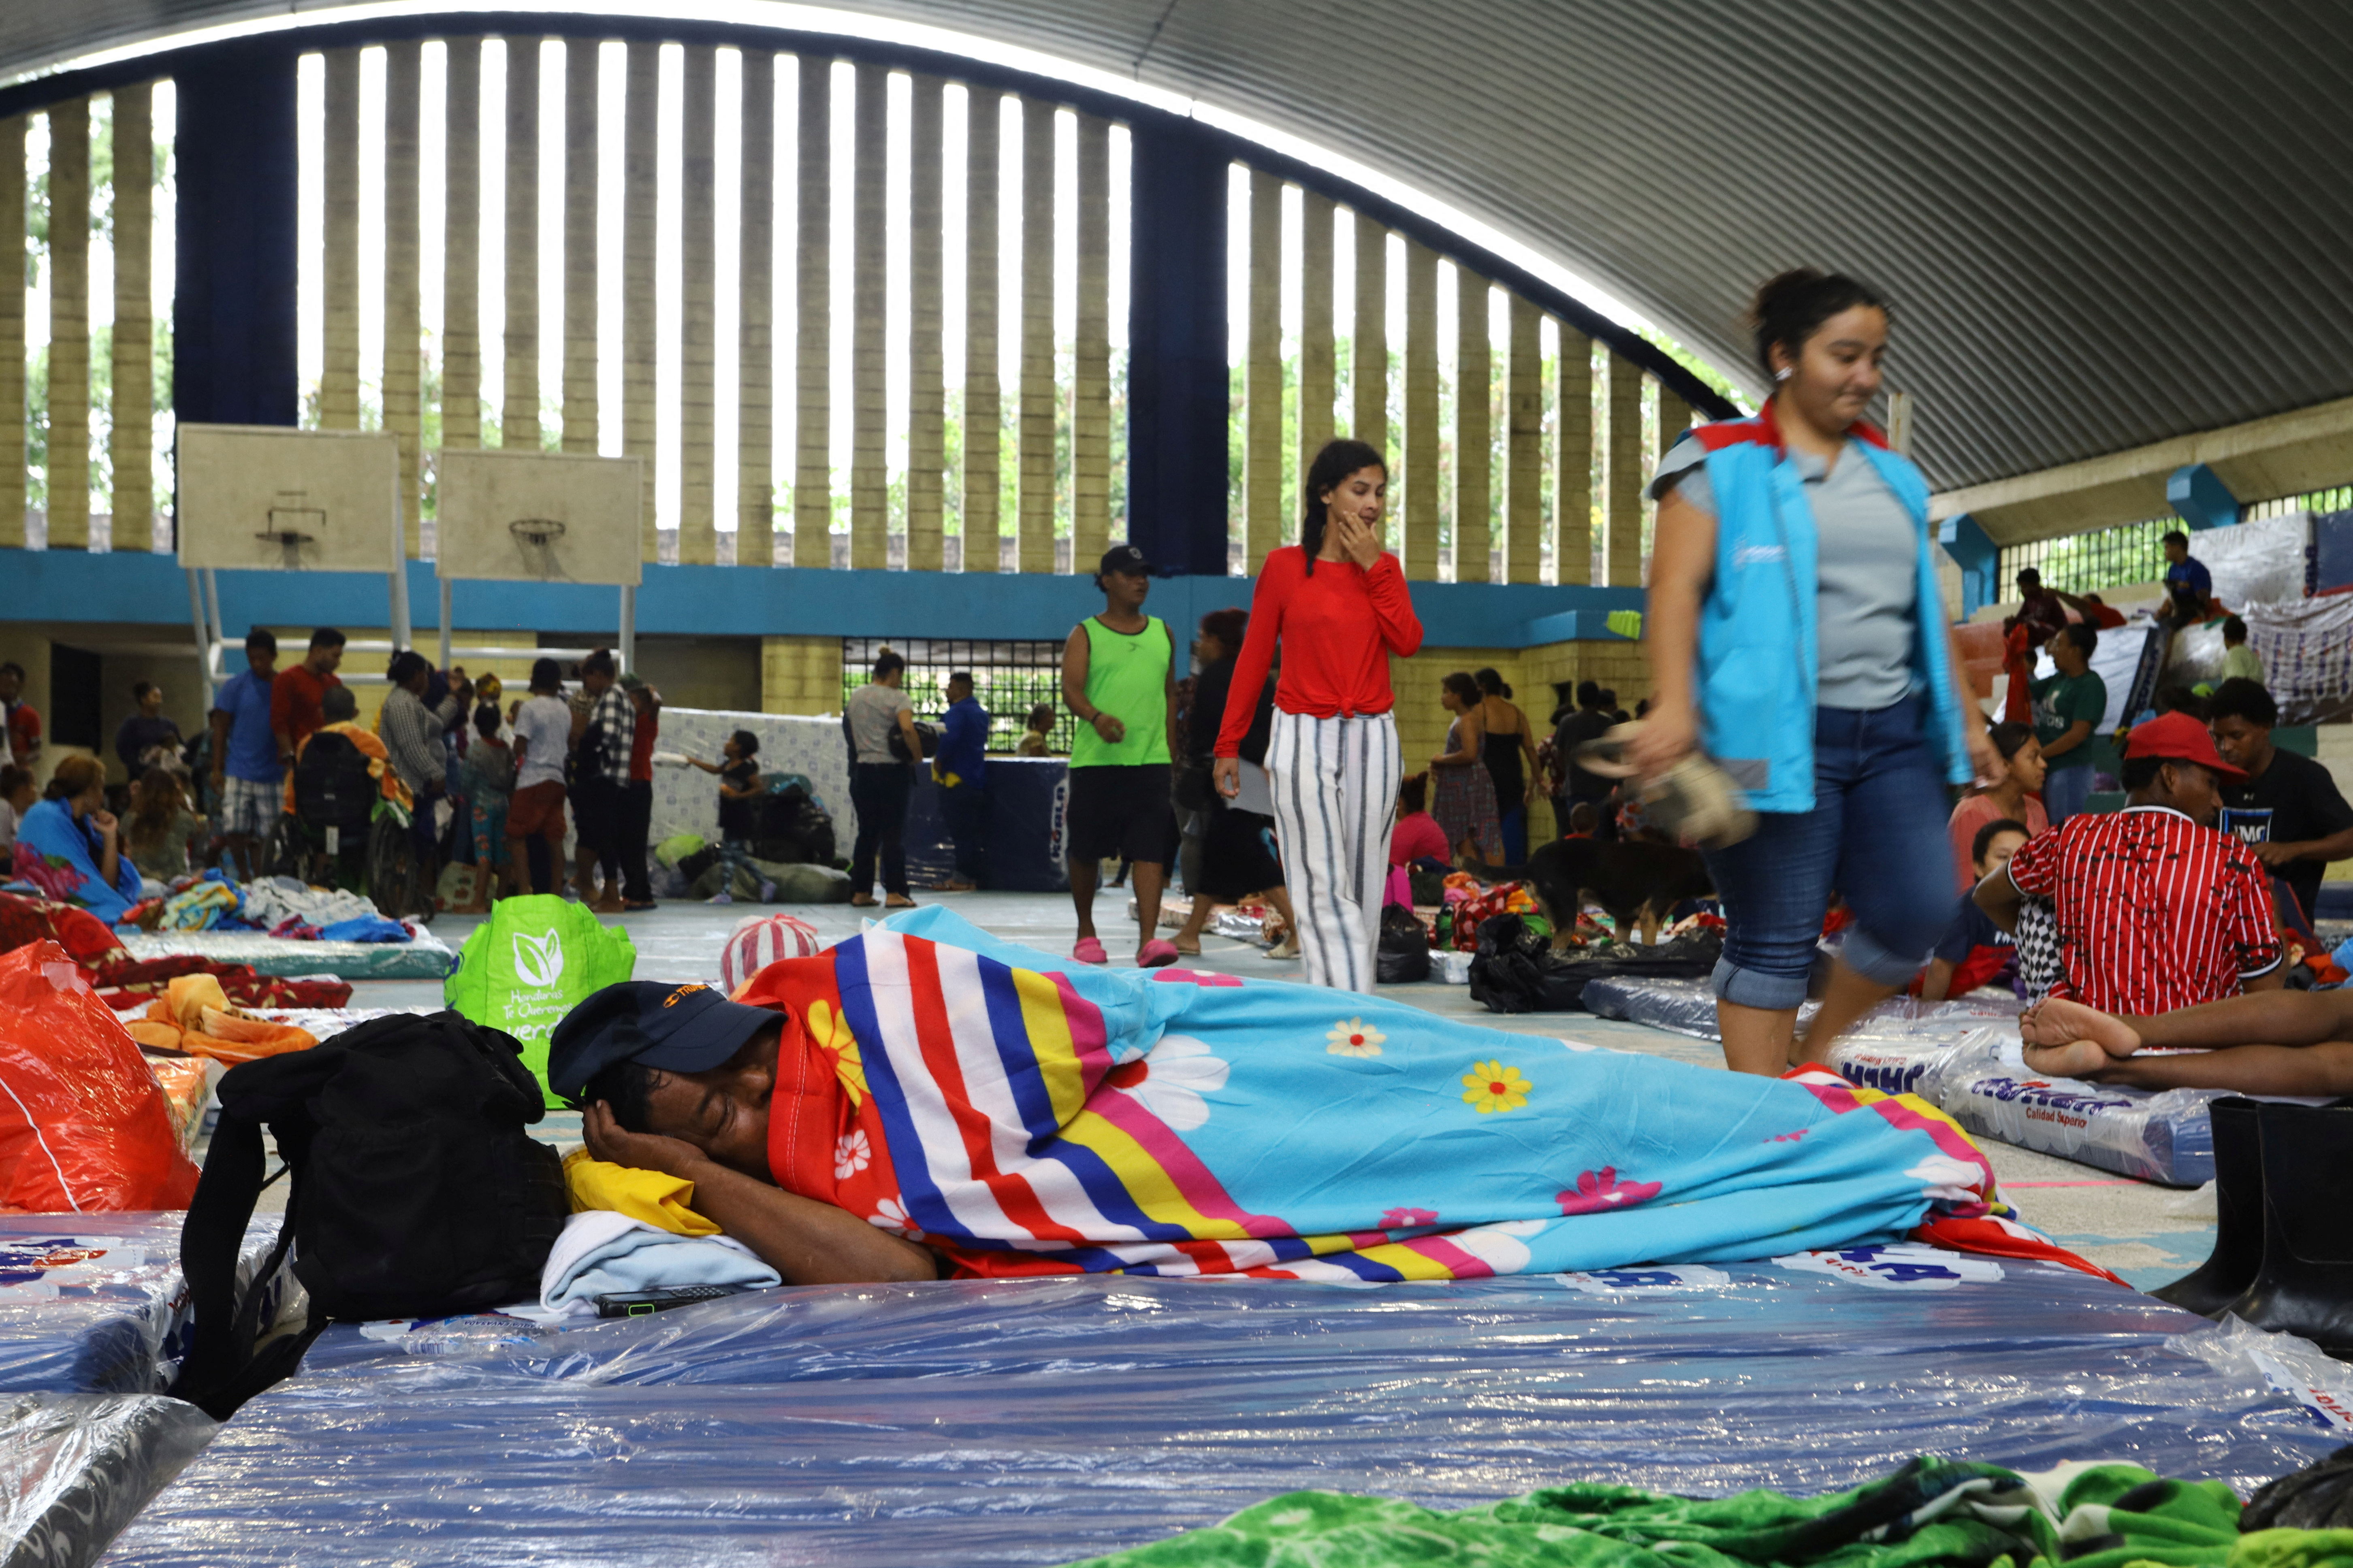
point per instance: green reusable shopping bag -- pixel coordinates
(534, 960)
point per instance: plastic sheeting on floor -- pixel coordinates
(424, 957)
(1688, 1007)
(1040, 1421)
(1963, 1056)
(75, 1467)
(96, 1303)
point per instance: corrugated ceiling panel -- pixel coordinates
(2104, 223)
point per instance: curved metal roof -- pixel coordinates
(2104, 223)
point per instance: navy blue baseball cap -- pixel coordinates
(678, 1029)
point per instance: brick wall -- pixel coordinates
(800, 675)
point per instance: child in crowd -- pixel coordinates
(1584, 821)
(163, 832)
(1417, 836)
(1976, 952)
(2011, 796)
(739, 789)
(486, 777)
(1033, 742)
(17, 794)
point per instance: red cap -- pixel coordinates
(2179, 738)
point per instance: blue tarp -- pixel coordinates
(1040, 1421)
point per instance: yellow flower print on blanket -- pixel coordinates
(1354, 1038)
(830, 1030)
(1492, 1087)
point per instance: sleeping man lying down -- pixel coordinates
(923, 1100)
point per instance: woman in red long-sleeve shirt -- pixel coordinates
(1340, 607)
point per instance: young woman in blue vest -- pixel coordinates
(1797, 637)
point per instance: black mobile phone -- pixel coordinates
(642, 1303)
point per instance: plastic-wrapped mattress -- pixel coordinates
(1963, 1058)
(1688, 1007)
(75, 1468)
(96, 1304)
(1983, 1083)
(1040, 1421)
(424, 957)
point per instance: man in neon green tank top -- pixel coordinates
(1118, 677)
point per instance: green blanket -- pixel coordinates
(1929, 1514)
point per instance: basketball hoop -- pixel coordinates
(287, 529)
(541, 532)
(536, 536)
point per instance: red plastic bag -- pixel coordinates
(84, 1126)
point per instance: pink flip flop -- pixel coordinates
(1155, 953)
(1090, 951)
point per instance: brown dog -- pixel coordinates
(1634, 879)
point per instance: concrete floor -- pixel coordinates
(2146, 1233)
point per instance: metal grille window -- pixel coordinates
(2315, 502)
(1009, 678)
(2088, 563)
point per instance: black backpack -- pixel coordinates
(790, 828)
(1516, 970)
(417, 1193)
(332, 786)
(1402, 956)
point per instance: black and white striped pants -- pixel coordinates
(1335, 784)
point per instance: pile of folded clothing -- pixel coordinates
(274, 906)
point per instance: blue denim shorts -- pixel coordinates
(1876, 835)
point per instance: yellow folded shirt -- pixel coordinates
(653, 1196)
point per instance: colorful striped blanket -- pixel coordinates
(1024, 1117)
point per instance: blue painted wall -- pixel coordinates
(69, 586)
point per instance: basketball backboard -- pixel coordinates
(539, 516)
(265, 498)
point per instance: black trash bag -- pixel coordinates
(2319, 1496)
(1403, 957)
(1516, 970)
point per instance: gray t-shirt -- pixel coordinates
(873, 711)
(543, 724)
(1866, 571)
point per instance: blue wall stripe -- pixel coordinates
(74, 586)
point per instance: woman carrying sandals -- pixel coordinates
(1796, 634)
(1340, 607)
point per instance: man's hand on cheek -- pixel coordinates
(609, 1140)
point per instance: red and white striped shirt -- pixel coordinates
(2153, 911)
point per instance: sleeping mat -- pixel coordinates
(96, 1304)
(1044, 1420)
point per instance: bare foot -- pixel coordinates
(900, 902)
(2059, 1021)
(609, 907)
(2078, 1059)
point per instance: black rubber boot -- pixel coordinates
(2238, 1255)
(2305, 1284)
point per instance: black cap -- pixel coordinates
(1124, 558)
(678, 1029)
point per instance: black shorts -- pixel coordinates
(1120, 811)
